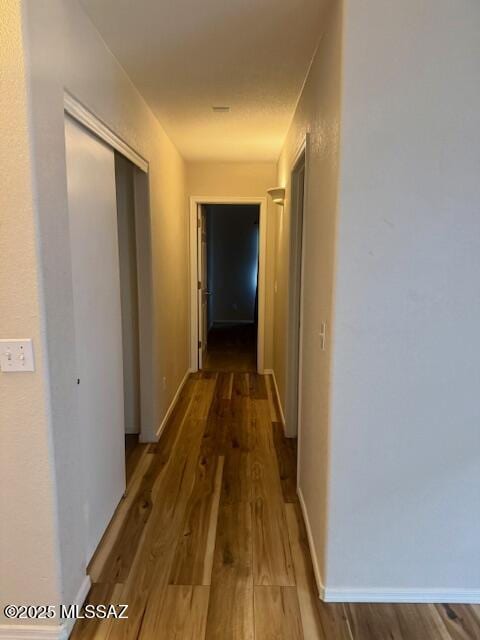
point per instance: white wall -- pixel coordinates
(29, 563)
(65, 51)
(405, 452)
(243, 179)
(389, 448)
(318, 114)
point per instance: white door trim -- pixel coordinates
(302, 150)
(89, 120)
(195, 201)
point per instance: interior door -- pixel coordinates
(295, 295)
(98, 328)
(203, 292)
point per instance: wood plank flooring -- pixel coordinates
(209, 541)
(231, 348)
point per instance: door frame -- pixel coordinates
(195, 202)
(87, 118)
(296, 279)
(202, 271)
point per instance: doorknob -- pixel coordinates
(207, 293)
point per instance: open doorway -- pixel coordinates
(109, 229)
(297, 232)
(228, 241)
(127, 258)
(229, 279)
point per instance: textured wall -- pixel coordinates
(405, 472)
(28, 537)
(65, 51)
(318, 114)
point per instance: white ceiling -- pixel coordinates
(185, 56)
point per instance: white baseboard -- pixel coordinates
(391, 596)
(271, 372)
(410, 596)
(173, 403)
(32, 632)
(46, 631)
(313, 553)
(79, 601)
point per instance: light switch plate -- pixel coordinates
(16, 355)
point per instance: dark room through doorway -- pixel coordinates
(231, 235)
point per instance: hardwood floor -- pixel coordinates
(232, 348)
(209, 542)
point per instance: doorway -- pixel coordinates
(229, 286)
(297, 234)
(98, 326)
(127, 254)
(111, 275)
(227, 246)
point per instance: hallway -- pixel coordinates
(349, 132)
(209, 541)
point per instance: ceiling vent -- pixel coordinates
(221, 109)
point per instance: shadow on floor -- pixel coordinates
(232, 348)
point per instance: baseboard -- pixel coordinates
(133, 431)
(271, 372)
(313, 553)
(46, 631)
(173, 403)
(79, 601)
(390, 596)
(410, 596)
(32, 632)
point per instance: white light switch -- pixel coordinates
(16, 355)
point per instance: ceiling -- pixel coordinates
(186, 56)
